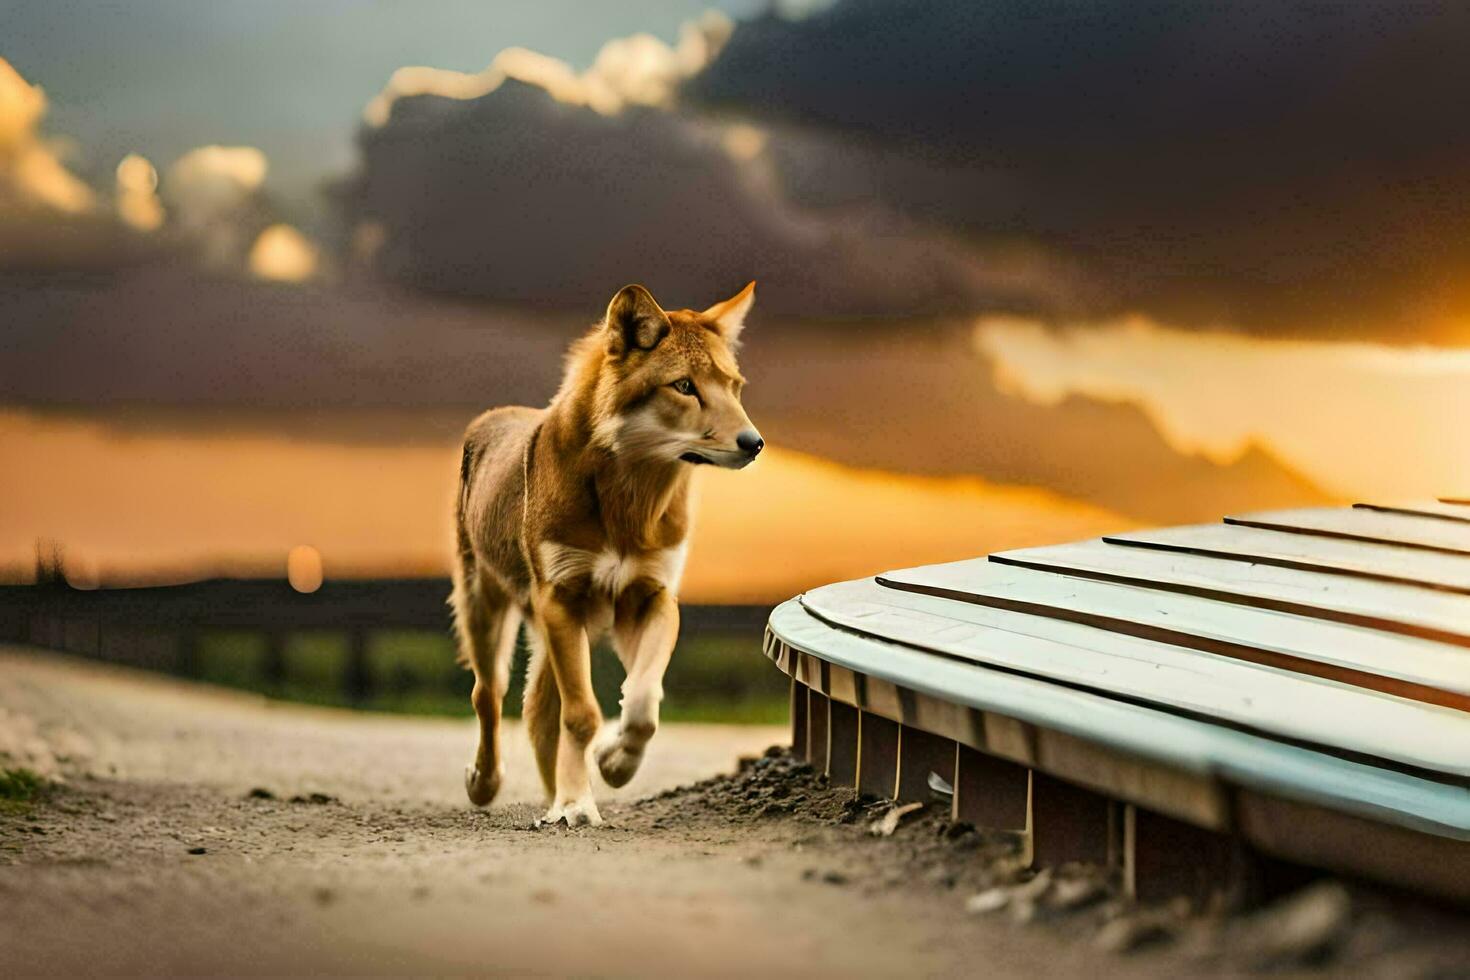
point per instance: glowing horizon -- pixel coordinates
(180, 505)
(1357, 418)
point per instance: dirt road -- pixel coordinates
(202, 832)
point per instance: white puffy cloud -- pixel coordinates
(636, 70)
(212, 181)
(211, 192)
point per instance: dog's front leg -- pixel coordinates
(645, 630)
(564, 633)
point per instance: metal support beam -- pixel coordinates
(1164, 857)
(798, 720)
(842, 743)
(1069, 823)
(817, 718)
(877, 755)
(990, 792)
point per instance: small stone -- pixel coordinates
(990, 900)
(1076, 893)
(956, 830)
(939, 787)
(1009, 871)
(1035, 889)
(1024, 910)
(316, 799)
(1129, 933)
(834, 877)
(198, 850)
(260, 793)
(943, 878)
(1303, 929)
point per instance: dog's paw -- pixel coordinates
(616, 763)
(575, 813)
(481, 787)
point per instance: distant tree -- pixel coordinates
(50, 563)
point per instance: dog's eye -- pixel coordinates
(683, 386)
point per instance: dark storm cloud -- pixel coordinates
(522, 193)
(1274, 164)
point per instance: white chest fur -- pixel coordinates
(611, 572)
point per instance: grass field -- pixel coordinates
(714, 677)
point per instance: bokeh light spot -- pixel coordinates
(137, 198)
(304, 568)
(283, 254)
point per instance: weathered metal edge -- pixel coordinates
(1176, 766)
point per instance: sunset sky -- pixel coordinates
(260, 262)
(132, 506)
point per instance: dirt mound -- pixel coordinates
(912, 844)
(877, 846)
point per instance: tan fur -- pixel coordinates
(576, 518)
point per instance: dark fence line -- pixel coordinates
(160, 627)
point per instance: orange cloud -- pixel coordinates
(31, 171)
(1358, 419)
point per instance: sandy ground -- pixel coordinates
(194, 831)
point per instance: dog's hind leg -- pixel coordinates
(487, 623)
(541, 712)
(644, 632)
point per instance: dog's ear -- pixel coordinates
(635, 321)
(729, 316)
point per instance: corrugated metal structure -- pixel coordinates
(1293, 684)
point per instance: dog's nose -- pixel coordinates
(750, 442)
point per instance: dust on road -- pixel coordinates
(204, 832)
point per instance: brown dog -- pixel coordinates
(576, 518)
